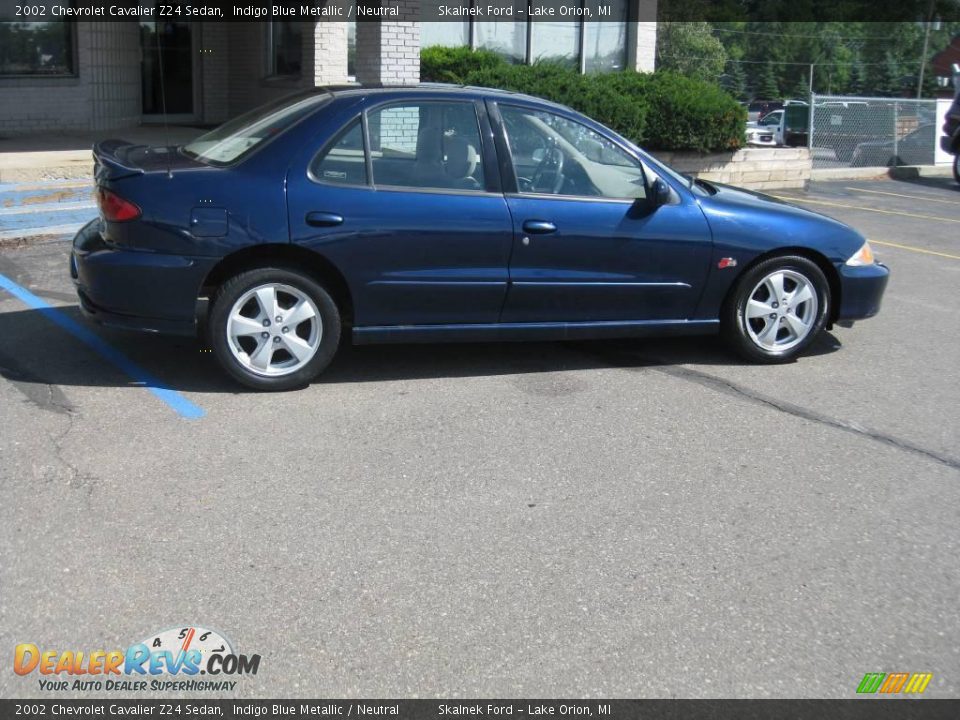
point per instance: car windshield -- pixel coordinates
(236, 138)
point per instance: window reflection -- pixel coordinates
(605, 43)
(555, 42)
(506, 38)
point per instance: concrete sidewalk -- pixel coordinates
(39, 157)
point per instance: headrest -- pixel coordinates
(462, 158)
(429, 150)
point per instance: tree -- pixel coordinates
(734, 81)
(885, 78)
(858, 79)
(765, 85)
(690, 49)
(800, 89)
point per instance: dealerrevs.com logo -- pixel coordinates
(169, 661)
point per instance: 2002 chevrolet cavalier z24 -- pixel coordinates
(435, 213)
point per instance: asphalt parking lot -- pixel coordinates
(615, 519)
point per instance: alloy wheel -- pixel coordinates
(781, 311)
(274, 329)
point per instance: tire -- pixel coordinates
(258, 351)
(751, 336)
(956, 166)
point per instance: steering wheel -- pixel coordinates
(548, 177)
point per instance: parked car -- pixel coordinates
(915, 148)
(435, 213)
(764, 132)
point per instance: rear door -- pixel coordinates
(405, 200)
(586, 247)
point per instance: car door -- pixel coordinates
(402, 200)
(586, 246)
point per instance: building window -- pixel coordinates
(448, 33)
(597, 45)
(505, 38)
(352, 49)
(284, 49)
(36, 48)
(555, 42)
(605, 43)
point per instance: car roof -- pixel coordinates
(358, 90)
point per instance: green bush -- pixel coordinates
(454, 64)
(659, 111)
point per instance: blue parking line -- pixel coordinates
(171, 397)
(27, 198)
(31, 220)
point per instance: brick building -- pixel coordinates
(108, 75)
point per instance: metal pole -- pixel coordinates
(810, 92)
(896, 139)
(926, 47)
(813, 103)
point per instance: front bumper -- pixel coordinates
(136, 290)
(861, 291)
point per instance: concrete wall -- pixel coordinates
(753, 168)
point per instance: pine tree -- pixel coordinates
(857, 78)
(735, 81)
(801, 88)
(765, 84)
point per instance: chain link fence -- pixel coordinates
(871, 132)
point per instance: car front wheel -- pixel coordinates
(956, 166)
(274, 328)
(776, 309)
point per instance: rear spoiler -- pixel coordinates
(111, 160)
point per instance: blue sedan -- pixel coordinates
(438, 213)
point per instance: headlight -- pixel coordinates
(863, 256)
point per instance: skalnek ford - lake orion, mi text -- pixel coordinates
(534, 11)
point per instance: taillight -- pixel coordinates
(115, 208)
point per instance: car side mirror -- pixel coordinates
(659, 194)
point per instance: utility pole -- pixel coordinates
(928, 22)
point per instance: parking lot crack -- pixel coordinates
(727, 387)
(730, 388)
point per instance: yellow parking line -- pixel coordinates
(867, 209)
(955, 203)
(914, 249)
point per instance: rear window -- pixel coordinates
(240, 136)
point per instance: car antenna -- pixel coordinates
(163, 100)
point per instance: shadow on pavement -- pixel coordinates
(937, 183)
(35, 351)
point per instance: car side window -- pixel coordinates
(344, 162)
(556, 156)
(426, 145)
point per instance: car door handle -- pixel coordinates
(324, 219)
(539, 227)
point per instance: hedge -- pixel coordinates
(658, 111)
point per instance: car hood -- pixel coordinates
(745, 218)
(741, 199)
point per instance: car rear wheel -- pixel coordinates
(776, 309)
(274, 328)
